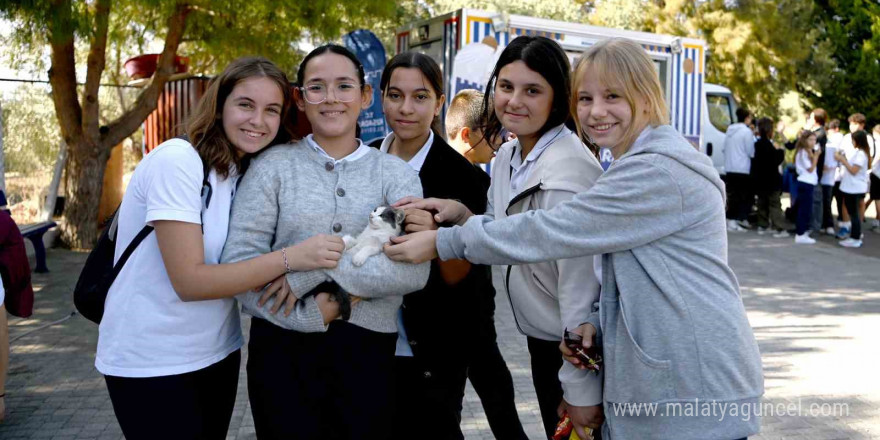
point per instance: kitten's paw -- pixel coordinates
(359, 259)
(349, 241)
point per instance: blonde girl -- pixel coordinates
(670, 318)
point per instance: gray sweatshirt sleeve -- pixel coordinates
(633, 204)
(251, 232)
(577, 289)
(380, 276)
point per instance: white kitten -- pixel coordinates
(385, 222)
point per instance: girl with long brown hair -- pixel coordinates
(170, 339)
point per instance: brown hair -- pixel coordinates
(205, 126)
(820, 116)
(465, 110)
(765, 128)
(860, 141)
(802, 140)
(857, 118)
(623, 65)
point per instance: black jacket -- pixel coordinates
(440, 319)
(765, 167)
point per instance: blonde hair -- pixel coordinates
(622, 65)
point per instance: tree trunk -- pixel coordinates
(85, 176)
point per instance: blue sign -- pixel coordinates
(371, 53)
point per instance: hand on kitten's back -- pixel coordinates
(385, 222)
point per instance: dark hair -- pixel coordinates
(834, 124)
(860, 141)
(205, 125)
(820, 116)
(742, 114)
(331, 48)
(545, 57)
(430, 70)
(765, 128)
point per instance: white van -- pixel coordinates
(719, 112)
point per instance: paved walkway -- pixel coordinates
(814, 310)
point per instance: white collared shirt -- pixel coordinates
(361, 150)
(522, 169)
(416, 161)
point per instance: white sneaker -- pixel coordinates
(732, 226)
(829, 231)
(804, 239)
(850, 243)
(762, 231)
(744, 224)
(781, 234)
(875, 224)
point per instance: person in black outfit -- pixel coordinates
(487, 370)
(440, 321)
(767, 181)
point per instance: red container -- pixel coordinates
(144, 66)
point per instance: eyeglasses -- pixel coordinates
(343, 92)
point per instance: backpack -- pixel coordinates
(99, 272)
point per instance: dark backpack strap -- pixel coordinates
(130, 249)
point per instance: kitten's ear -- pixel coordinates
(399, 215)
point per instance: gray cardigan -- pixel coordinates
(671, 318)
(292, 192)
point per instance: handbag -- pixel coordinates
(99, 272)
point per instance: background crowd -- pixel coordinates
(823, 170)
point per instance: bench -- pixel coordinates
(34, 233)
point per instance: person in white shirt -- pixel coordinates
(856, 122)
(169, 341)
(874, 180)
(829, 176)
(854, 184)
(806, 159)
(739, 149)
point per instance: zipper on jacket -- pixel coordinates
(521, 196)
(512, 308)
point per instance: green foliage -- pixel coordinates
(841, 75)
(30, 131)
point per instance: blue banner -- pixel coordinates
(370, 51)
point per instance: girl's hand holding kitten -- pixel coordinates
(419, 220)
(318, 252)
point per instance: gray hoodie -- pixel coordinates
(675, 334)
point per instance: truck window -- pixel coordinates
(719, 111)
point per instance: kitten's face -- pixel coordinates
(387, 217)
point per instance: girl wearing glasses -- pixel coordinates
(431, 367)
(169, 341)
(307, 378)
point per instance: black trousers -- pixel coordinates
(739, 195)
(490, 377)
(190, 406)
(852, 206)
(332, 385)
(429, 400)
(546, 361)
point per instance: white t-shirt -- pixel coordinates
(856, 183)
(802, 163)
(829, 176)
(2, 293)
(147, 330)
